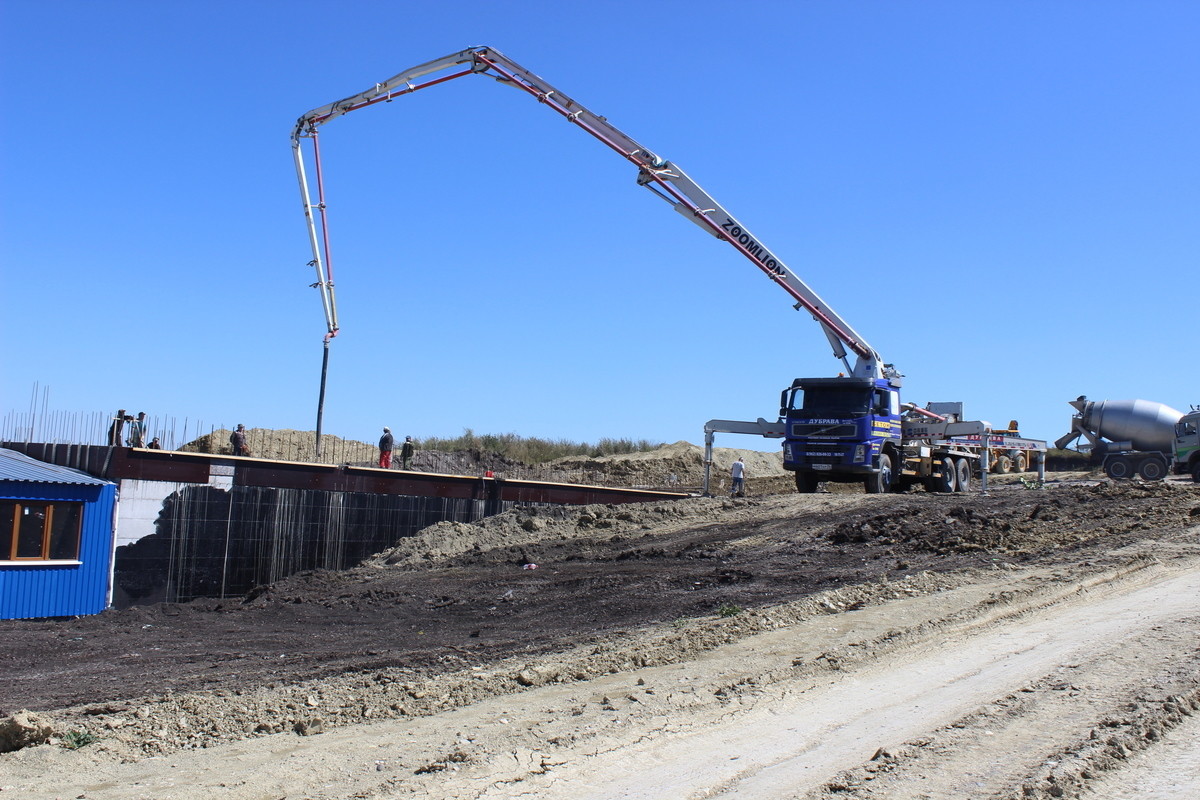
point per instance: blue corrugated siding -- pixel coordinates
(62, 591)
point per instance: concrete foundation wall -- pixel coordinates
(209, 542)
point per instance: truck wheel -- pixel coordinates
(806, 482)
(1196, 472)
(962, 474)
(946, 482)
(1001, 464)
(880, 482)
(1119, 468)
(1151, 469)
(1021, 463)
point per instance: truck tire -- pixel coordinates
(946, 482)
(1021, 463)
(1151, 469)
(1119, 468)
(880, 482)
(806, 482)
(1196, 472)
(1001, 465)
(962, 474)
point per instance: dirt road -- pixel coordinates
(1025, 644)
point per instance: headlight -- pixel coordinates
(860, 453)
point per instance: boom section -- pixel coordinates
(663, 177)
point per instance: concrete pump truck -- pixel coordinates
(850, 428)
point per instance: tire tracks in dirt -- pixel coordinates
(795, 706)
(1050, 737)
(781, 747)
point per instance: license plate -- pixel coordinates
(822, 466)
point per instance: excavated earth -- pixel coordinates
(1039, 641)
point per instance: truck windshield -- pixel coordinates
(832, 402)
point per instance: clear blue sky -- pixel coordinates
(1002, 197)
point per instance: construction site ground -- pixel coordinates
(1033, 642)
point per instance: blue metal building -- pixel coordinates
(56, 539)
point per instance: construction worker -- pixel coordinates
(406, 453)
(237, 441)
(738, 473)
(137, 431)
(385, 449)
(116, 429)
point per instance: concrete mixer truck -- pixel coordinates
(1137, 437)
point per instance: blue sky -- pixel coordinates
(1002, 197)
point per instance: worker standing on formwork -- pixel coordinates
(116, 429)
(237, 441)
(137, 431)
(385, 449)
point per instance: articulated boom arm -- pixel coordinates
(655, 173)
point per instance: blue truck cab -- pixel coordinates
(842, 429)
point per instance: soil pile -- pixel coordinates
(682, 464)
(1051, 520)
(287, 445)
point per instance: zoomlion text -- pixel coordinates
(754, 248)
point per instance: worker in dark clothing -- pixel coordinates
(407, 450)
(237, 441)
(115, 430)
(385, 449)
(154, 444)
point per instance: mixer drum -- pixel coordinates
(1144, 423)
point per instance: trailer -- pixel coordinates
(1010, 459)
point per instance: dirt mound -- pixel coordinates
(1053, 519)
(286, 445)
(682, 464)
(516, 531)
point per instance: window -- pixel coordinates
(34, 530)
(887, 402)
(823, 401)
